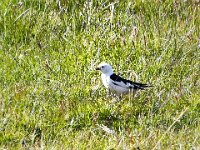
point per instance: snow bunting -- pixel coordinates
(117, 84)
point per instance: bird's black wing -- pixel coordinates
(128, 83)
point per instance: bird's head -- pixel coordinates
(105, 68)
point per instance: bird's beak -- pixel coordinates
(97, 68)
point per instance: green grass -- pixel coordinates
(51, 97)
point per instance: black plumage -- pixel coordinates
(133, 85)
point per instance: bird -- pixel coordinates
(117, 84)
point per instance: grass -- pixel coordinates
(52, 98)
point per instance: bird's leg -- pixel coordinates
(119, 98)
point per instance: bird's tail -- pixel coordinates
(140, 86)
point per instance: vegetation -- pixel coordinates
(51, 96)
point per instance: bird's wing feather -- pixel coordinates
(117, 80)
(127, 83)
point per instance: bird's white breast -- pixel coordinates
(105, 80)
(109, 84)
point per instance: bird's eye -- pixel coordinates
(102, 67)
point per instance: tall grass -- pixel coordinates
(51, 97)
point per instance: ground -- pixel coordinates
(51, 96)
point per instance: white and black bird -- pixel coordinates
(117, 84)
